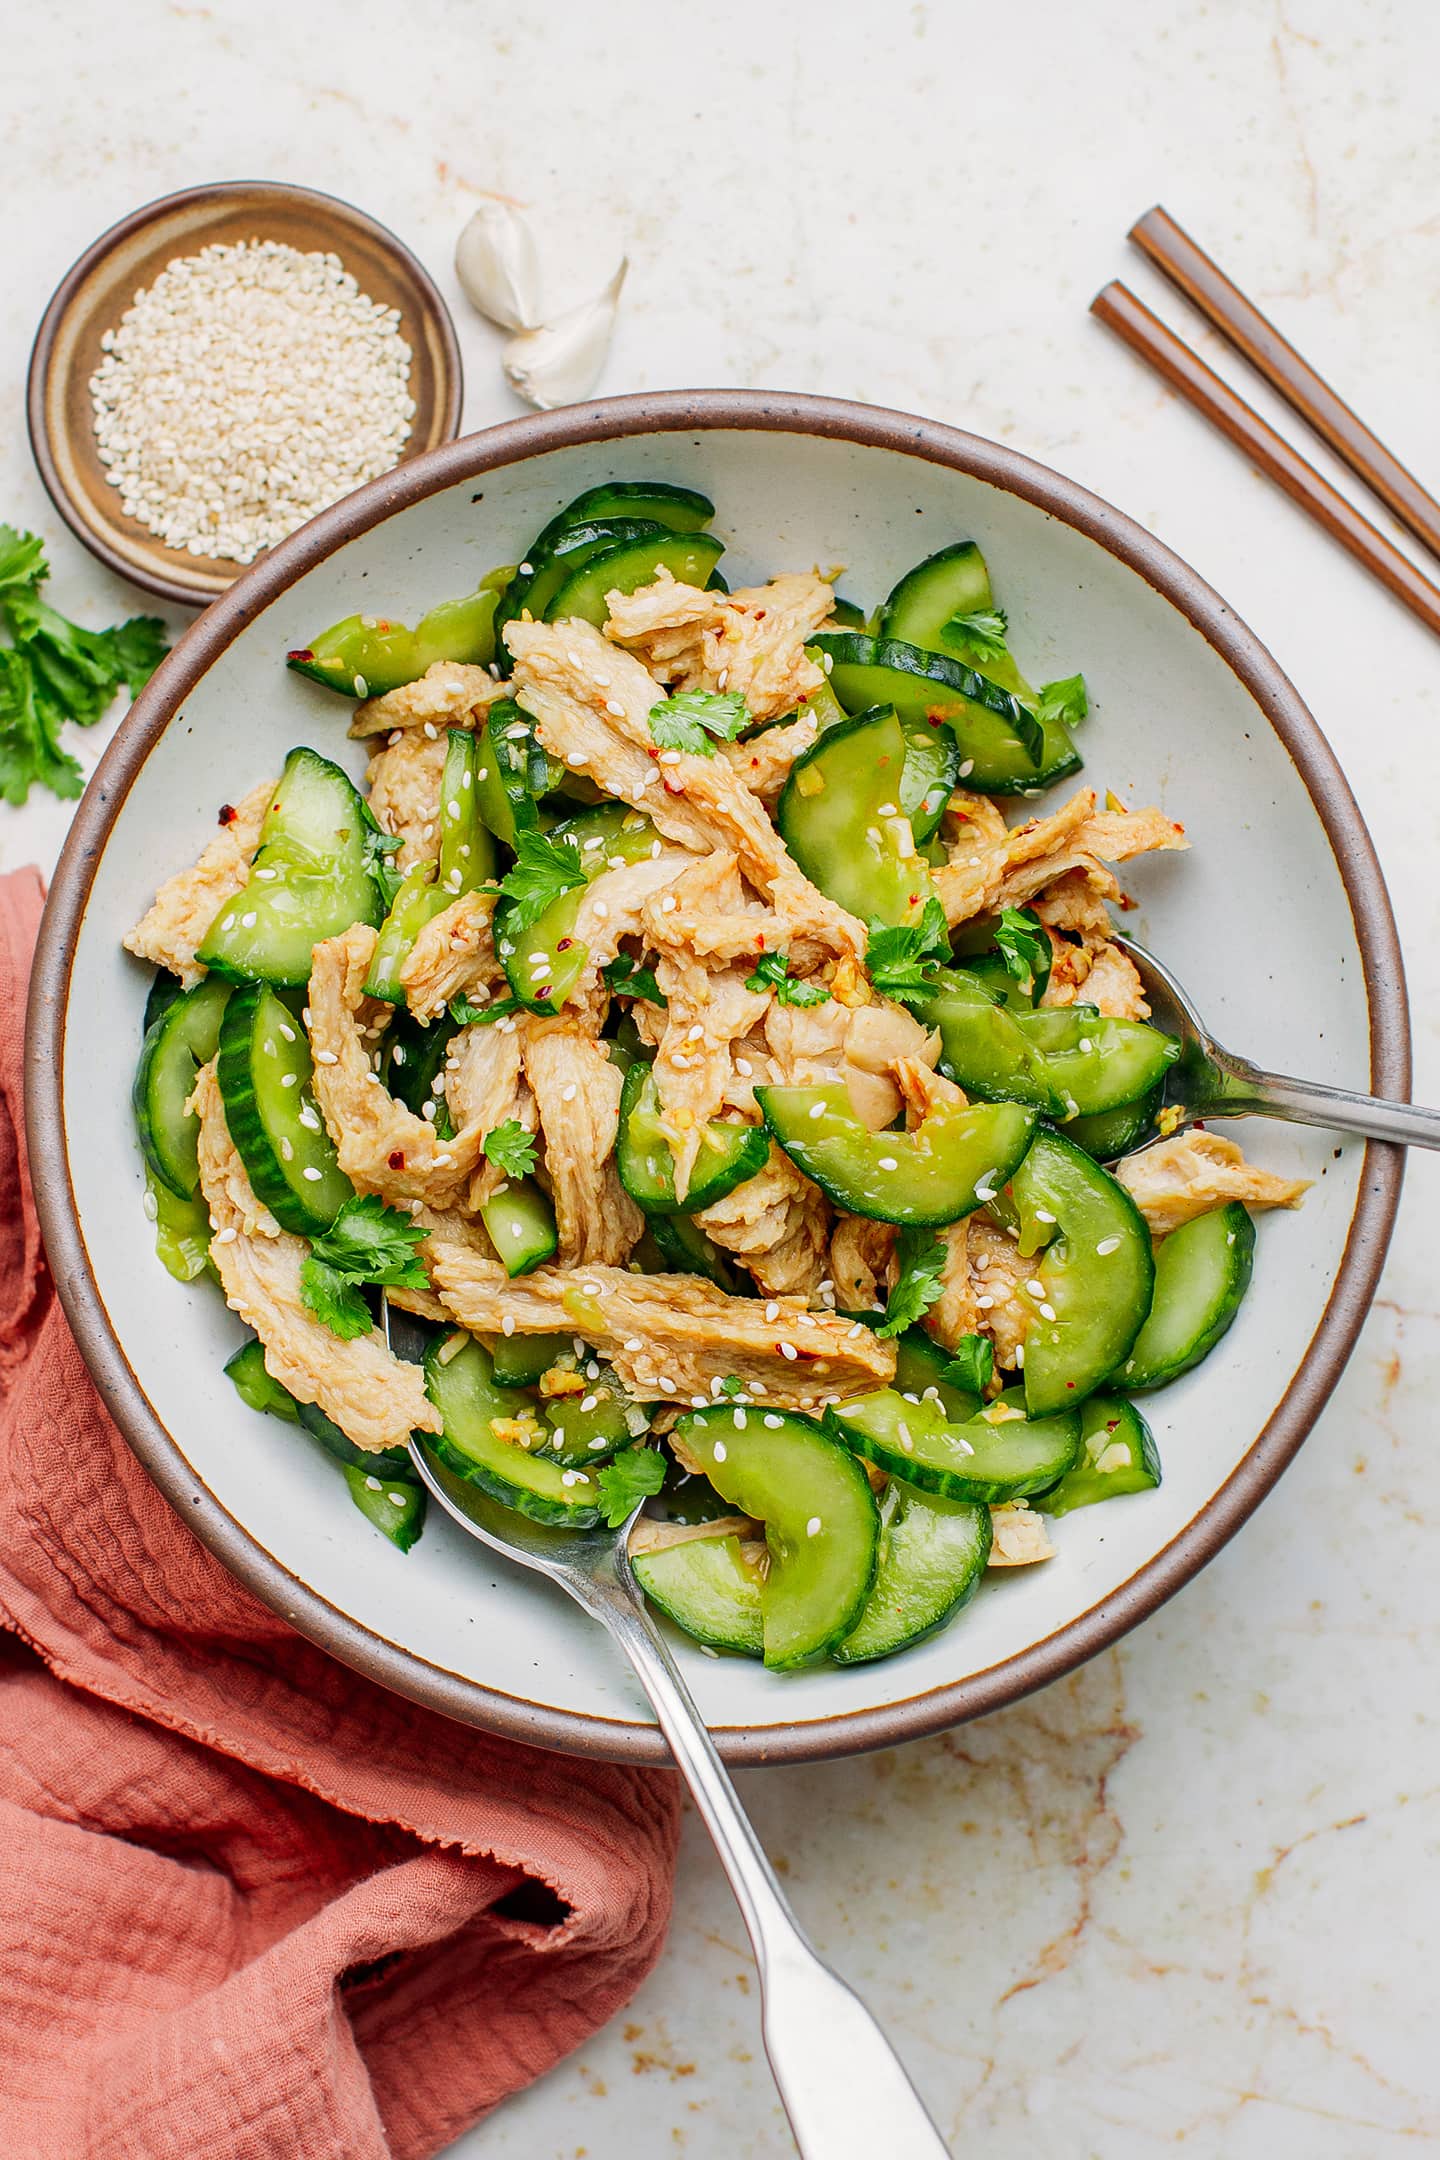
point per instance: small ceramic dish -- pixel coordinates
(92, 296)
(1188, 711)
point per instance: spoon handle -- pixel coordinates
(843, 2087)
(1306, 1102)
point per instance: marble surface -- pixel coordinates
(1180, 1899)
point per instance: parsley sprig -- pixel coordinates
(981, 632)
(901, 962)
(1066, 701)
(772, 972)
(633, 1476)
(919, 1283)
(1025, 948)
(690, 720)
(543, 869)
(511, 1148)
(972, 1364)
(367, 1243)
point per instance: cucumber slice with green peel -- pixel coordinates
(680, 509)
(949, 1165)
(517, 1361)
(310, 879)
(382, 1462)
(983, 1044)
(505, 766)
(845, 615)
(592, 1427)
(713, 1588)
(413, 1058)
(990, 971)
(689, 557)
(521, 1225)
(689, 1251)
(1096, 1064)
(920, 1369)
(729, 1154)
(997, 1455)
(163, 991)
(466, 860)
(1004, 748)
(1117, 1456)
(393, 1506)
(366, 655)
(821, 1522)
(257, 1386)
(1092, 1260)
(177, 1044)
(930, 776)
(927, 600)
(1202, 1272)
(1113, 1133)
(932, 1555)
(547, 567)
(416, 903)
(841, 818)
(463, 1390)
(265, 1076)
(543, 960)
(182, 1229)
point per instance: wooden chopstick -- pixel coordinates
(1117, 307)
(1227, 310)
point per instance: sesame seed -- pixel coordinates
(1047, 1312)
(633, 1345)
(1035, 1287)
(568, 1094)
(527, 569)
(1108, 1245)
(772, 1312)
(227, 1236)
(587, 1404)
(816, 1110)
(888, 1162)
(248, 920)
(744, 1067)
(666, 1384)
(507, 1324)
(740, 1421)
(773, 1422)
(1043, 1215)
(967, 768)
(669, 904)
(788, 1350)
(813, 1527)
(720, 1451)
(311, 1175)
(432, 733)
(326, 1057)
(615, 710)
(289, 1079)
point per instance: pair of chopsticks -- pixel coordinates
(1227, 310)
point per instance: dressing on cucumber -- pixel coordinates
(463, 1390)
(842, 817)
(1117, 1456)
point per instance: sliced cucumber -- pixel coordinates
(845, 615)
(517, 1361)
(713, 1588)
(177, 1044)
(163, 991)
(686, 1248)
(689, 557)
(929, 598)
(521, 1225)
(841, 816)
(463, 1390)
(932, 1555)
(412, 1059)
(681, 509)
(931, 775)
(1113, 1133)
(257, 1387)
(393, 1506)
(1004, 750)
(729, 1154)
(550, 563)
(466, 860)
(417, 902)
(309, 881)
(265, 1077)
(983, 1044)
(1117, 1455)
(182, 1230)
(506, 766)
(989, 969)
(380, 1462)
(366, 655)
(951, 1164)
(1202, 1272)
(589, 1428)
(997, 1455)
(1093, 1263)
(820, 1519)
(543, 959)
(1096, 1064)
(920, 1367)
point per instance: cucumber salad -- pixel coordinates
(693, 1024)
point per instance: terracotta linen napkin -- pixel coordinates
(252, 1906)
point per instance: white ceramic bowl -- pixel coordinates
(1188, 711)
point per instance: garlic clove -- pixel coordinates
(498, 269)
(560, 363)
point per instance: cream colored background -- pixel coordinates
(1181, 1900)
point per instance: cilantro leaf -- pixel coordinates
(466, 1013)
(511, 1148)
(622, 974)
(380, 850)
(1067, 701)
(732, 1384)
(30, 736)
(333, 1299)
(772, 972)
(688, 721)
(487, 1015)
(981, 632)
(632, 1477)
(139, 646)
(972, 1364)
(919, 1283)
(543, 869)
(22, 559)
(1024, 943)
(901, 963)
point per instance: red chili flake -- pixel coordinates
(1110, 1423)
(228, 813)
(543, 991)
(564, 944)
(397, 1160)
(301, 653)
(1069, 1383)
(1125, 903)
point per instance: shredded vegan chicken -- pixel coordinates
(186, 905)
(1176, 1180)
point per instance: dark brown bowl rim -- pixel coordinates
(679, 412)
(175, 589)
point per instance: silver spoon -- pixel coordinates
(1209, 1081)
(843, 2087)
